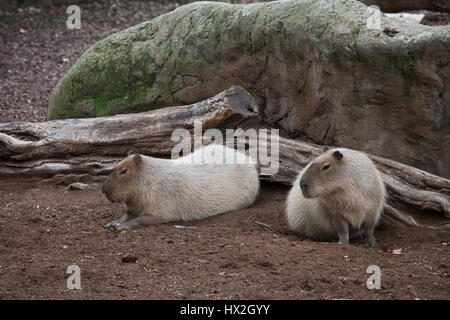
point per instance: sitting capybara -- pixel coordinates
(338, 195)
(159, 190)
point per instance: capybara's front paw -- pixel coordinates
(110, 225)
(115, 226)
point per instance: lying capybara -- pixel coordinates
(338, 195)
(159, 190)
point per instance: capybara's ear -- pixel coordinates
(338, 155)
(325, 148)
(137, 160)
(130, 153)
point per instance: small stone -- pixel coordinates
(78, 186)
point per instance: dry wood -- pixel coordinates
(149, 132)
(94, 146)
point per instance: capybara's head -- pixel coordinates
(324, 174)
(120, 185)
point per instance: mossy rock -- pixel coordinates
(314, 67)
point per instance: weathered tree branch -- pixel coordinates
(149, 132)
(94, 146)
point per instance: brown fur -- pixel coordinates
(119, 188)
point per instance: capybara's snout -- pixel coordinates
(304, 186)
(106, 191)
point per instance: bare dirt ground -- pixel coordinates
(246, 254)
(44, 228)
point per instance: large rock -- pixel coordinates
(313, 65)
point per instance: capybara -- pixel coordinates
(338, 195)
(160, 190)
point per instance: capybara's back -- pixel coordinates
(338, 195)
(200, 190)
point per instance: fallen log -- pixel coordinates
(94, 146)
(149, 132)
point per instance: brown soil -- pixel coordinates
(36, 49)
(248, 254)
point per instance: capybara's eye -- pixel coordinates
(326, 167)
(123, 171)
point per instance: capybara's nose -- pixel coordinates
(303, 186)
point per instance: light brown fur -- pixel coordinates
(340, 195)
(159, 190)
